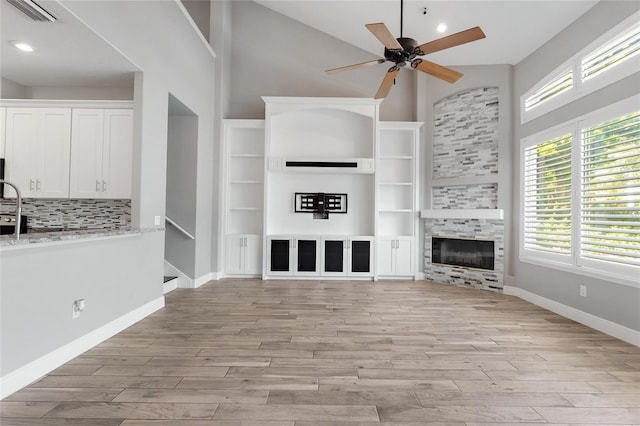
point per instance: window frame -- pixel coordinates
(608, 271)
(582, 87)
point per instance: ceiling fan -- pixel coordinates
(404, 51)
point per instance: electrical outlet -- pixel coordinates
(583, 290)
(76, 308)
(157, 221)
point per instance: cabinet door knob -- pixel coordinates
(30, 184)
(97, 185)
(38, 185)
(104, 186)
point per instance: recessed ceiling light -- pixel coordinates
(25, 47)
(442, 28)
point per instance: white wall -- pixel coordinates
(11, 90)
(607, 300)
(273, 55)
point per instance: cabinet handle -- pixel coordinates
(38, 185)
(30, 184)
(104, 186)
(97, 185)
(245, 241)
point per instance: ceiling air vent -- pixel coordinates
(33, 10)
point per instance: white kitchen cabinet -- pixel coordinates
(101, 153)
(347, 256)
(395, 256)
(244, 254)
(37, 151)
(3, 128)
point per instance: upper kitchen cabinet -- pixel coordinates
(101, 153)
(37, 151)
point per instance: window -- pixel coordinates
(610, 58)
(580, 203)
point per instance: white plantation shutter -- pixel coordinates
(547, 196)
(610, 191)
(611, 54)
(550, 90)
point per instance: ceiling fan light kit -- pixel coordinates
(403, 51)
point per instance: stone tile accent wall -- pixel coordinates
(466, 228)
(465, 134)
(465, 197)
(73, 213)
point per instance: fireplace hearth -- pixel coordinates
(468, 253)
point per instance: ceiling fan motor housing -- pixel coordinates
(407, 54)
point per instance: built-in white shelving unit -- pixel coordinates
(312, 146)
(397, 199)
(244, 195)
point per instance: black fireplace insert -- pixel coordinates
(463, 252)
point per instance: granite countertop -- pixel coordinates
(48, 235)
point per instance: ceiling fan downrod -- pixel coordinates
(401, 16)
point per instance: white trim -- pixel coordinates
(490, 214)
(36, 241)
(26, 374)
(179, 228)
(419, 276)
(183, 280)
(170, 285)
(55, 103)
(608, 327)
(211, 276)
(195, 27)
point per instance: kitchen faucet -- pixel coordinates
(18, 206)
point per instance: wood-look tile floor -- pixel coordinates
(302, 353)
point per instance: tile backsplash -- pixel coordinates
(73, 213)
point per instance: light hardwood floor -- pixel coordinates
(301, 353)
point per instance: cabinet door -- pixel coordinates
(234, 254)
(307, 259)
(360, 256)
(3, 130)
(333, 255)
(384, 261)
(117, 153)
(22, 150)
(54, 152)
(253, 254)
(404, 256)
(280, 256)
(87, 137)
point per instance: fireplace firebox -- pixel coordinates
(469, 253)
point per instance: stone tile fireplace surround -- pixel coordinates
(464, 192)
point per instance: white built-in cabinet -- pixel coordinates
(37, 151)
(101, 153)
(397, 199)
(320, 145)
(3, 127)
(243, 179)
(60, 149)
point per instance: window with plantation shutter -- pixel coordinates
(550, 90)
(612, 57)
(580, 194)
(618, 50)
(610, 191)
(547, 196)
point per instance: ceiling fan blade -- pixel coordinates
(383, 34)
(355, 66)
(387, 83)
(452, 40)
(443, 73)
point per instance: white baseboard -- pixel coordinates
(419, 276)
(21, 377)
(608, 327)
(211, 276)
(183, 280)
(169, 286)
